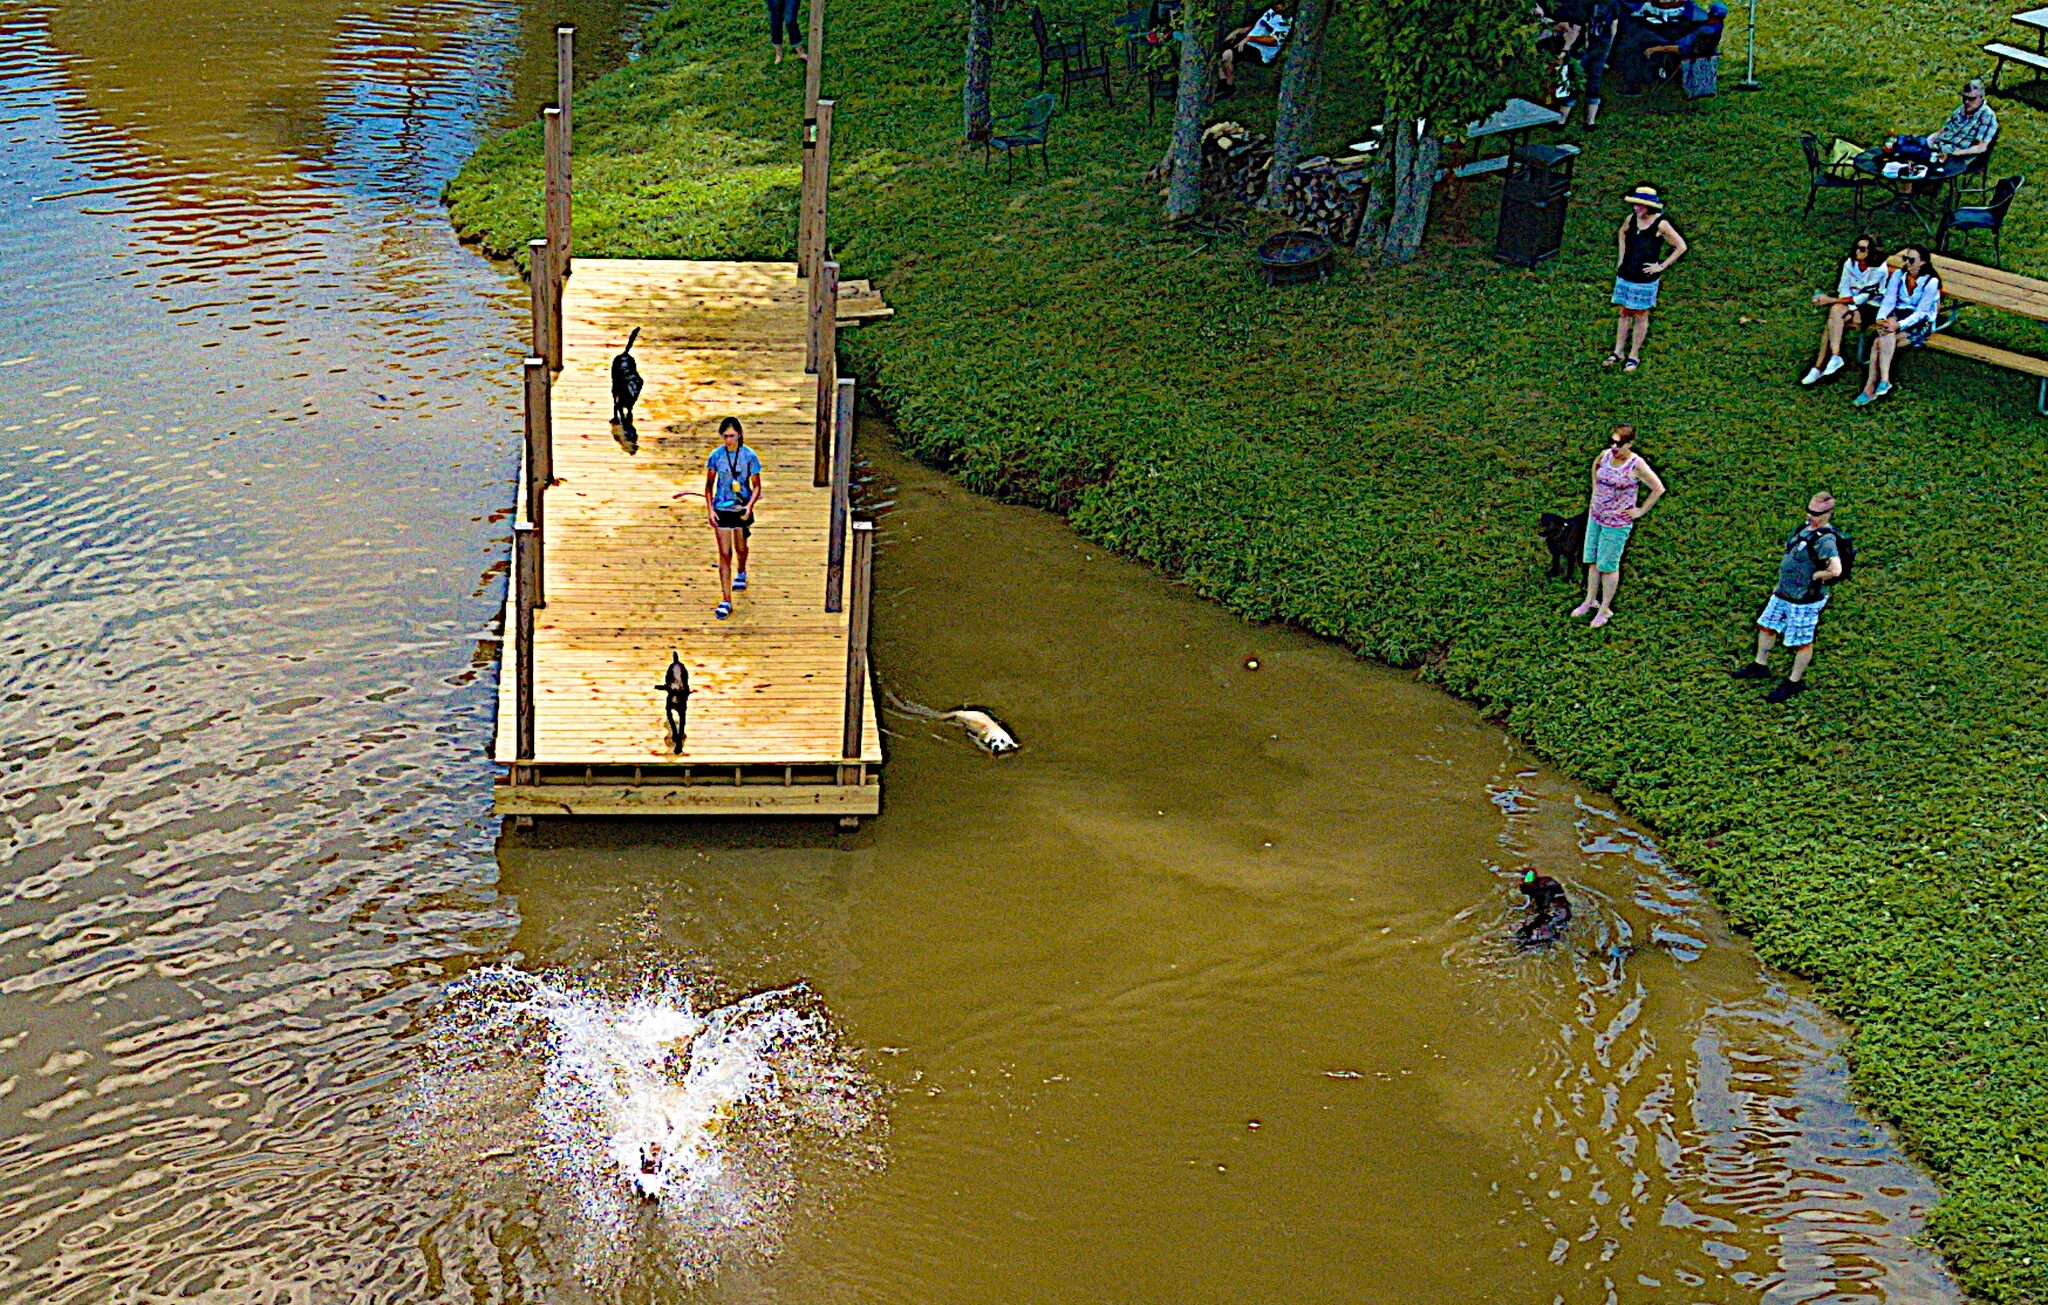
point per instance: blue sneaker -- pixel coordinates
(739, 582)
(722, 611)
(1883, 388)
(1862, 399)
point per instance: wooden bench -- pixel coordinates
(2004, 53)
(1997, 357)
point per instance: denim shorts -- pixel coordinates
(1637, 296)
(1604, 545)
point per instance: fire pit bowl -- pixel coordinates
(1293, 256)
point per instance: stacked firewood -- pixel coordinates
(1234, 163)
(1322, 194)
(1327, 196)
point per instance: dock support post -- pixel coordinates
(565, 84)
(540, 428)
(828, 373)
(524, 558)
(814, 70)
(857, 650)
(540, 467)
(803, 202)
(820, 244)
(542, 283)
(557, 203)
(842, 495)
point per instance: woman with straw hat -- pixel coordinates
(1640, 245)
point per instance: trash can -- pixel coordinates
(1533, 199)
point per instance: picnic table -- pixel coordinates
(1973, 284)
(1939, 178)
(1514, 120)
(2036, 58)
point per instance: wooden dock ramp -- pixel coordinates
(629, 571)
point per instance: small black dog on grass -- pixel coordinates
(1566, 539)
(626, 385)
(676, 684)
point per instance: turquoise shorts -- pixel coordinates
(1604, 545)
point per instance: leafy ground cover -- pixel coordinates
(1367, 460)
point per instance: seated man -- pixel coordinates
(1263, 37)
(1970, 130)
(1653, 24)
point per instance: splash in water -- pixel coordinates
(654, 1125)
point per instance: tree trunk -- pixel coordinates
(1190, 107)
(1372, 225)
(1294, 125)
(1415, 163)
(981, 40)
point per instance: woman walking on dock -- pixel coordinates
(732, 494)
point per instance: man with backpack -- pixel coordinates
(1815, 555)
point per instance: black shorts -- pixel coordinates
(736, 519)
(1867, 314)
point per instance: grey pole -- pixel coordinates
(1749, 82)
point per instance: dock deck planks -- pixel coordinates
(631, 571)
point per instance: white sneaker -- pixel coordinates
(1812, 377)
(1835, 364)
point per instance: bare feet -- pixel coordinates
(1601, 617)
(1584, 608)
(801, 55)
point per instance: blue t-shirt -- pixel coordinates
(735, 474)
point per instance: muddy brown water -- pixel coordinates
(1204, 996)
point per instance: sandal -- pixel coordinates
(722, 611)
(1631, 365)
(1610, 360)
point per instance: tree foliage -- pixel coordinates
(1446, 62)
(1439, 64)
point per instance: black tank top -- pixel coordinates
(1642, 249)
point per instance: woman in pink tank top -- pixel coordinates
(1611, 514)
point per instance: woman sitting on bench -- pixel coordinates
(1856, 297)
(1906, 317)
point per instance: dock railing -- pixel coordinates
(849, 561)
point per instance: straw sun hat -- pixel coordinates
(1647, 196)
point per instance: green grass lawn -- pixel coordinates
(1367, 460)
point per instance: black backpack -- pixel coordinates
(1845, 548)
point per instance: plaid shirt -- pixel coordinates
(1964, 130)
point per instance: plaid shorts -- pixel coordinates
(1795, 621)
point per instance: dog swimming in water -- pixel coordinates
(648, 1181)
(676, 684)
(626, 385)
(986, 731)
(1549, 910)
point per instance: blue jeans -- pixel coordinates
(781, 19)
(1599, 42)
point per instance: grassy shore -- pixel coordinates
(1367, 460)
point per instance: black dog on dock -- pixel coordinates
(626, 385)
(676, 684)
(1566, 539)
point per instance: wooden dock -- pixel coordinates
(629, 570)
